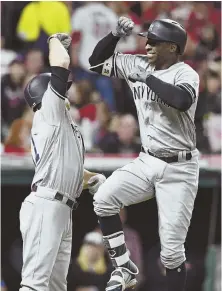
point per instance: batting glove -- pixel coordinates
(95, 182)
(139, 75)
(124, 27)
(64, 38)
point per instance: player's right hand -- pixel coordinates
(95, 182)
(64, 38)
(124, 27)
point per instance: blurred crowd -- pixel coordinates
(103, 107)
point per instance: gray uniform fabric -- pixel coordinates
(164, 131)
(46, 223)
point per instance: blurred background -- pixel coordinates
(105, 112)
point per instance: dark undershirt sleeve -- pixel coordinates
(174, 96)
(103, 50)
(59, 79)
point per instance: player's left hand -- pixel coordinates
(95, 182)
(139, 75)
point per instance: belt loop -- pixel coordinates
(184, 155)
(180, 157)
(65, 199)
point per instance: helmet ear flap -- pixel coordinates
(69, 84)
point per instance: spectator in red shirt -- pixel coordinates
(202, 14)
(18, 139)
(156, 10)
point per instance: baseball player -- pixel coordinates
(58, 154)
(165, 92)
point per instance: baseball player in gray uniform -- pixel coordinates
(165, 92)
(58, 154)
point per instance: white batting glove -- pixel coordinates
(124, 27)
(95, 182)
(139, 75)
(64, 38)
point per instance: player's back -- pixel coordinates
(57, 151)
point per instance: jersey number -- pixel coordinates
(37, 157)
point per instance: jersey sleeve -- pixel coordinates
(53, 106)
(123, 65)
(118, 65)
(188, 80)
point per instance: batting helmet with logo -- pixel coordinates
(167, 30)
(36, 88)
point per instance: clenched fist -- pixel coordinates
(124, 27)
(64, 38)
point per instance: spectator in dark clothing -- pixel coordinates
(92, 267)
(213, 92)
(34, 62)
(12, 265)
(12, 101)
(124, 139)
(209, 101)
(201, 136)
(208, 43)
(156, 274)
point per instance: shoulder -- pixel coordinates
(185, 68)
(136, 58)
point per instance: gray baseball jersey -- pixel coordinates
(163, 129)
(57, 147)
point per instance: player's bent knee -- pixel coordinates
(172, 260)
(104, 205)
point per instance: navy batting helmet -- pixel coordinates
(36, 88)
(169, 31)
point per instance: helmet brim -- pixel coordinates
(143, 34)
(151, 35)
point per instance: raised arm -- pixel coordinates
(59, 61)
(53, 101)
(105, 47)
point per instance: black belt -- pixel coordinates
(72, 204)
(172, 159)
